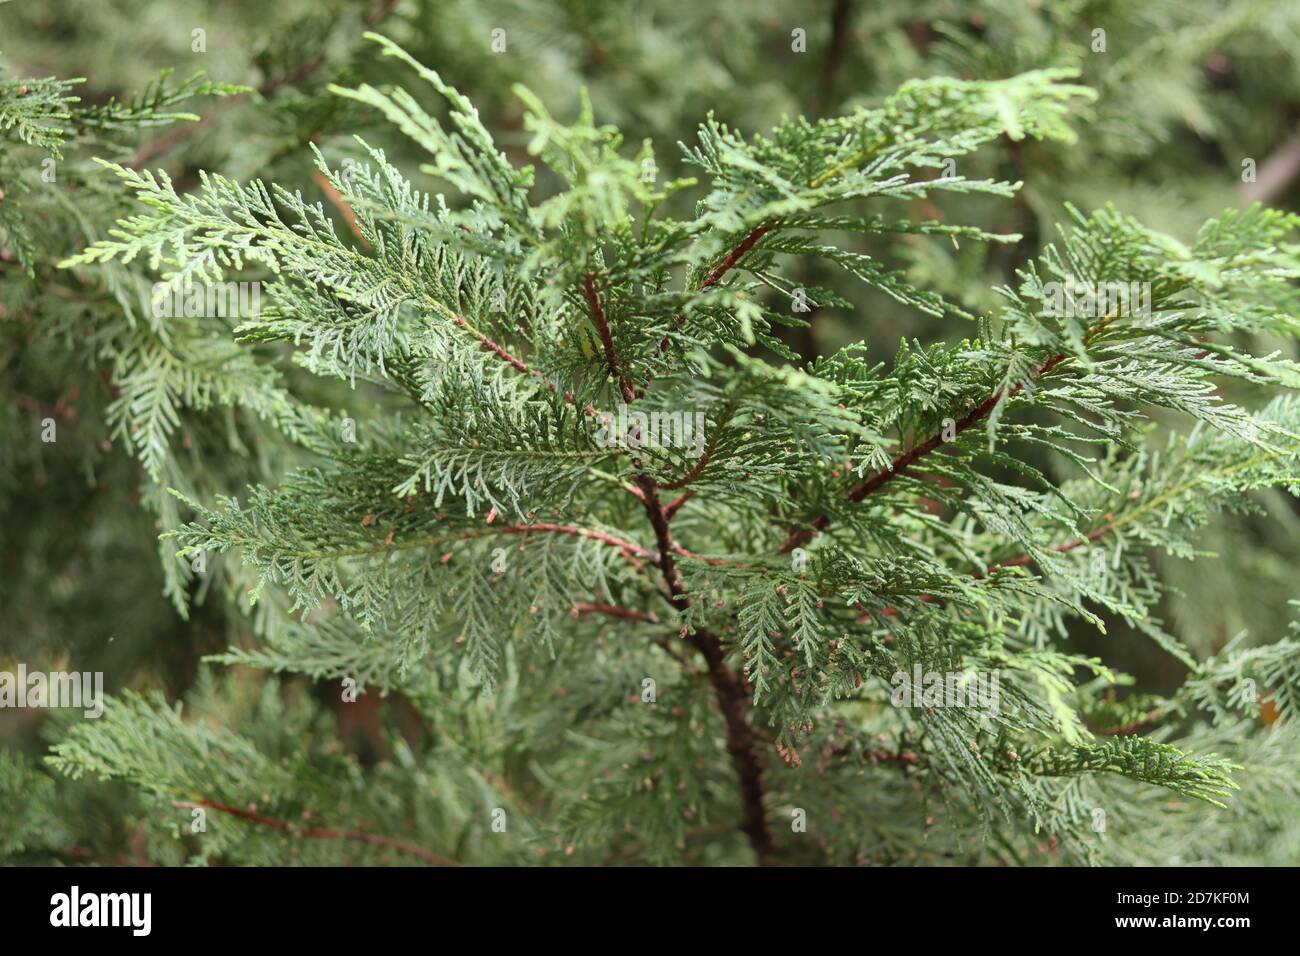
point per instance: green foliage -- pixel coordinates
(660, 644)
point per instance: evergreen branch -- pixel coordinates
(489, 345)
(712, 562)
(722, 268)
(322, 833)
(628, 549)
(734, 256)
(497, 350)
(592, 296)
(903, 462)
(1133, 726)
(670, 509)
(691, 475)
(1139, 758)
(801, 536)
(613, 610)
(1111, 524)
(337, 200)
(1065, 547)
(469, 304)
(732, 697)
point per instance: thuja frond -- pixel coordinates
(152, 105)
(588, 470)
(34, 111)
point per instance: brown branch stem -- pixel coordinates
(695, 472)
(1027, 559)
(901, 464)
(734, 256)
(1021, 561)
(613, 610)
(630, 550)
(722, 268)
(835, 52)
(730, 690)
(670, 509)
(323, 833)
(592, 296)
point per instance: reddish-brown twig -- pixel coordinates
(627, 547)
(613, 610)
(592, 295)
(1063, 548)
(323, 833)
(1021, 561)
(491, 346)
(696, 471)
(722, 268)
(734, 256)
(904, 462)
(344, 207)
(670, 509)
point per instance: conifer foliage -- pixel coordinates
(523, 444)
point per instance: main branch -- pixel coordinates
(743, 742)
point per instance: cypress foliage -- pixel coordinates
(531, 432)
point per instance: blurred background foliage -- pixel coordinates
(1189, 91)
